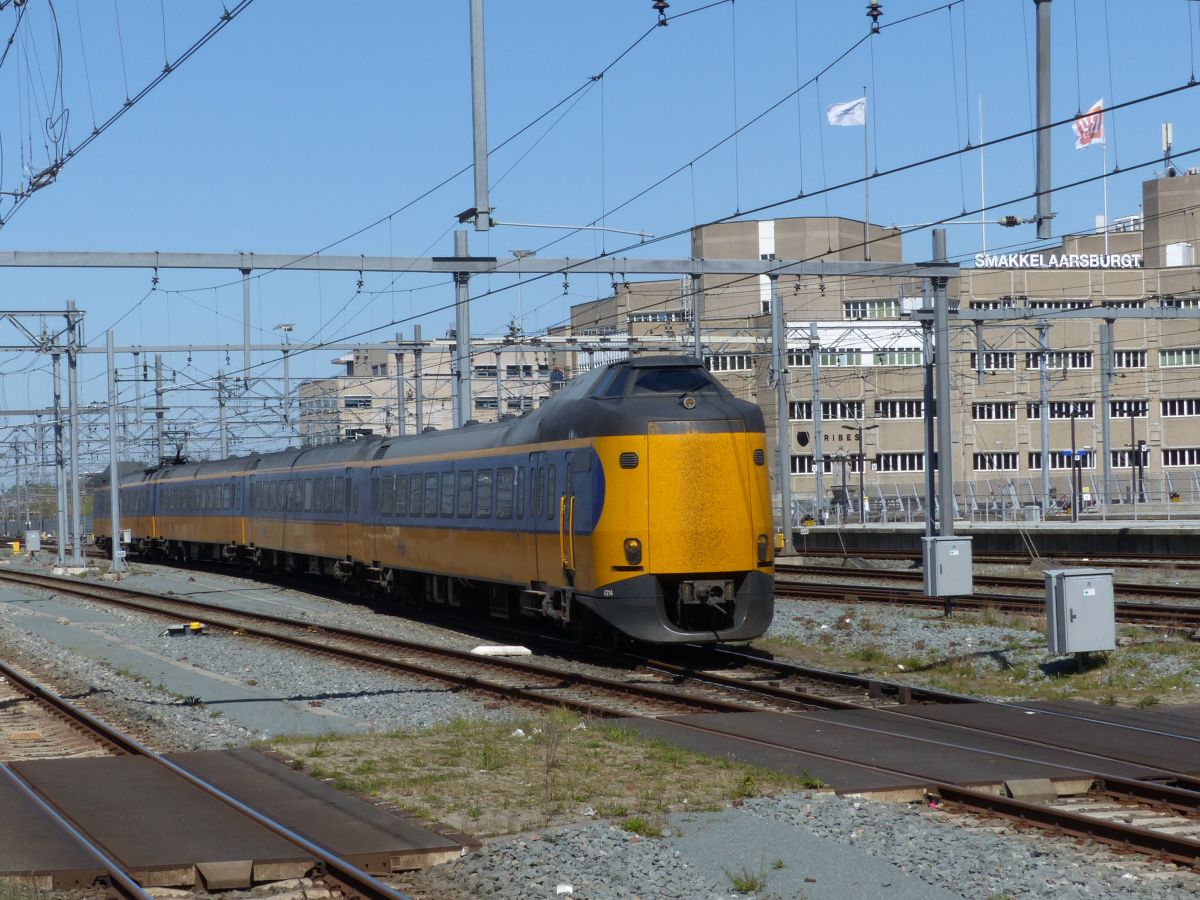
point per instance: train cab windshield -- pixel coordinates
(643, 382)
(672, 381)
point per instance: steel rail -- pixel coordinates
(1188, 592)
(120, 881)
(1139, 613)
(1178, 849)
(345, 873)
(1182, 781)
(144, 601)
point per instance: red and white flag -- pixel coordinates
(1089, 128)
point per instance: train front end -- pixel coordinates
(683, 549)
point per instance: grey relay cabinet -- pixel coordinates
(1080, 615)
(948, 571)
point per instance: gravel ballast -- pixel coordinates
(807, 845)
(802, 846)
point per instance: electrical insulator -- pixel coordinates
(1009, 221)
(874, 11)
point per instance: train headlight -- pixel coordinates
(633, 551)
(763, 546)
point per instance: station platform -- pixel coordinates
(1090, 535)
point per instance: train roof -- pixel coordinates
(593, 403)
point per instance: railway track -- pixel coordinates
(844, 592)
(1021, 557)
(340, 874)
(1149, 816)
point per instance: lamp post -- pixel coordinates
(1074, 469)
(862, 507)
(841, 457)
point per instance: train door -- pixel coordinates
(538, 560)
(341, 506)
(576, 511)
(369, 515)
(566, 513)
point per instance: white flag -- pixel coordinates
(852, 112)
(1089, 128)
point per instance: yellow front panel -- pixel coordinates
(707, 500)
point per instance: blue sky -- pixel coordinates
(302, 122)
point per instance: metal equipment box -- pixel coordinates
(947, 566)
(1080, 614)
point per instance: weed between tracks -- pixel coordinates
(495, 778)
(990, 655)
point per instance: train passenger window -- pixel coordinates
(519, 492)
(483, 493)
(339, 494)
(319, 495)
(308, 494)
(431, 494)
(504, 493)
(536, 491)
(551, 506)
(401, 495)
(387, 495)
(466, 478)
(414, 495)
(375, 493)
(446, 508)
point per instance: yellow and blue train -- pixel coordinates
(634, 502)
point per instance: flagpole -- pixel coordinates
(866, 184)
(1104, 179)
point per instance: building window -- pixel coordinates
(995, 359)
(1060, 359)
(1181, 456)
(1129, 359)
(1129, 409)
(829, 358)
(485, 402)
(998, 303)
(1181, 406)
(1184, 356)
(485, 371)
(800, 410)
(901, 462)
(1124, 304)
(899, 357)
(830, 464)
(729, 362)
(1181, 302)
(520, 404)
(1062, 409)
(1122, 458)
(669, 315)
(899, 409)
(356, 401)
(987, 411)
(994, 462)
(1058, 304)
(1061, 459)
(842, 409)
(871, 309)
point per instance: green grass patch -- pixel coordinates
(493, 778)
